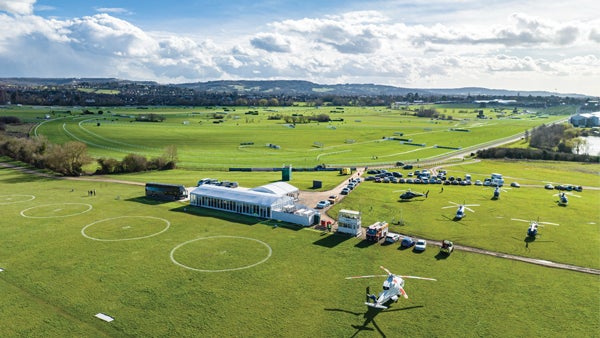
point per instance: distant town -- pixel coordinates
(115, 92)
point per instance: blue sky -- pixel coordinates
(521, 45)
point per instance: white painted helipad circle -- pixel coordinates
(167, 225)
(270, 252)
(57, 211)
(12, 199)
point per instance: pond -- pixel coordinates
(592, 146)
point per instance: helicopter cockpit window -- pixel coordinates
(386, 287)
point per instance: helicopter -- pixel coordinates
(393, 287)
(497, 190)
(410, 195)
(532, 230)
(460, 212)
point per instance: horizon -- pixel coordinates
(506, 45)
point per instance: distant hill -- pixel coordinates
(287, 87)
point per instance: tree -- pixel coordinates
(170, 155)
(68, 158)
(134, 163)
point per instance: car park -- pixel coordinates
(392, 237)
(323, 204)
(407, 242)
(420, 245)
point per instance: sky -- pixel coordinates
(501, 44)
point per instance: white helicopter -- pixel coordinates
(533, 226)
(562, 198)
(497, 191)
(460, 212)
(393, 287)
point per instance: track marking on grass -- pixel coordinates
(221, 270)
(24, 212)
(127, 227)
(64, 127)
(332, 153)
(8, 199)
(80, 124)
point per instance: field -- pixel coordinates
(358, 136)
(167, 269)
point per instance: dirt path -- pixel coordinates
(310, 198)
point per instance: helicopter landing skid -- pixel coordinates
(378, 306)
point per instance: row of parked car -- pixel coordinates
(406, 242)
(352, 183)
(565, 187)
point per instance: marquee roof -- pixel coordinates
(277, 188)
(240, 195)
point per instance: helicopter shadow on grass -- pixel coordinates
(455, 220)
(530, 239)
(369, 317)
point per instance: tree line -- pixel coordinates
(555, 142)
(70, 158)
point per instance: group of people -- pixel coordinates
(92, 192)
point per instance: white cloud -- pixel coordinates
(113, 10)
(20, 7)
(365, 46)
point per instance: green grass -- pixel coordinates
(357, 140)
(56, 280)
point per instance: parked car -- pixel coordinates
(407, 167)
(420, 245)
(333, 199)
(392, 237)
(323, 204)
(515, 185)
(478, 182)
(407, 242)
(549, 186)
(345, 191)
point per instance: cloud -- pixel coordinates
(351, 47)
(271, 43)
(113, 10)
(20, 7)
(595, 35)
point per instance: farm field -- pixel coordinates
(356, 136)
(67, 256)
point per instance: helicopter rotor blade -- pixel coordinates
(518, 219)
(549, 223)
(369, 276)
(386, 270)
(417, 277)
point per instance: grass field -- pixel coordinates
(360, 136)
(167, 269)
(138, 261)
